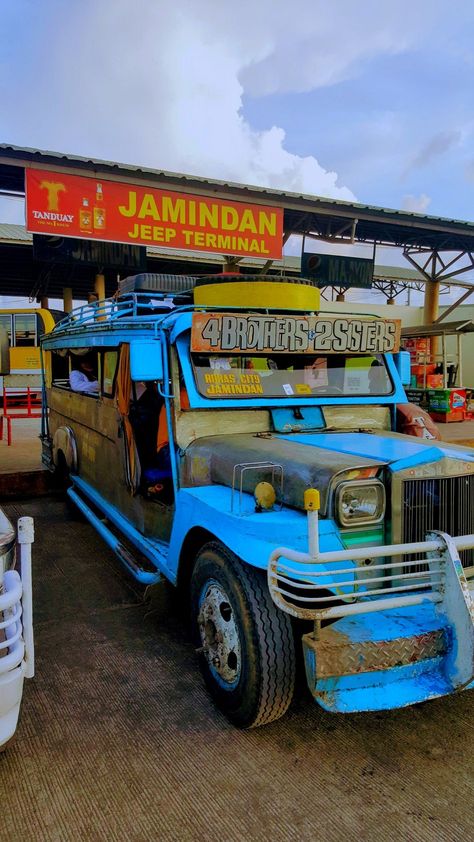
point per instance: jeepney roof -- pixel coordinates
(141, 313)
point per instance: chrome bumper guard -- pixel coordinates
(325, 586)
(16, 632)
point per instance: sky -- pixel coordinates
(367, 101)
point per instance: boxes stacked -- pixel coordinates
(447, 405)
(418, 396)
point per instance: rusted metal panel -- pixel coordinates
(337, 654)
(212, 460)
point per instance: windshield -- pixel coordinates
(294, 375)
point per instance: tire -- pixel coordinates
(246, 648)
(61, 473)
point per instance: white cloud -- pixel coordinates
(312, 43)
(416, 204)
(436, 146)
(161, 84)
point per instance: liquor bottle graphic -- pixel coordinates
(85, 216)
(99, 210)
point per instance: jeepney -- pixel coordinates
(242, 443)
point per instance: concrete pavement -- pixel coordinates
(118, 739)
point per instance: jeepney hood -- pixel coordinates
(305, 463)
(307, 459)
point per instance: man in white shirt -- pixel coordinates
(82, 379)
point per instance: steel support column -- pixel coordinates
(67, 299)
(99, 286)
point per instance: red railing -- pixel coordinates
(22, 402)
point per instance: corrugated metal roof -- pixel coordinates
(39, 155)
(437, 329)
(18, 234)
(14, 233)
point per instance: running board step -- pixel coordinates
(379, 661)
(397, 688)
(151, 549)
(334, 658)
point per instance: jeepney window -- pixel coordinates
(25, 330)
(60, 368)
(6, 323)
(84, 375)
(109, 369)
(290, 375)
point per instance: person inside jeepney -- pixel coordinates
(145, 406)
(150, 424)
(83, 377)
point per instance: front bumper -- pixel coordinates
(397, 633)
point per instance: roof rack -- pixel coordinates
(166, 283)
(97, 314)
(153, 282)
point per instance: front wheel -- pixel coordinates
(246, 646)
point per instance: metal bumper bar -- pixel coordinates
(322, 586)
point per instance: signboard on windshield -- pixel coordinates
(254, 334)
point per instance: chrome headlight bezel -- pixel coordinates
(363, 520)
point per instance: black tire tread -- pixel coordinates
(274, 639)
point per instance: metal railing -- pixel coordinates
(146, 306)
(324, 586)
(16, 625)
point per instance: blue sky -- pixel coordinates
(372, 101)
(402, 126)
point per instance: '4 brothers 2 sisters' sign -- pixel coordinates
(229, 333)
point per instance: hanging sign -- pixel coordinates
(337, 270)
(89, 252)
(78, 206)
(230, 333)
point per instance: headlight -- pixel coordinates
(360, 502)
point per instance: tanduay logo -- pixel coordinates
(53, 190)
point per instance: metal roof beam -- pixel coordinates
(453, 306)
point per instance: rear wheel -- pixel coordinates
(246, 645)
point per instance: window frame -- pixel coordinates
(22, 316)
(9, 331)
(304, 396)
(101, 363)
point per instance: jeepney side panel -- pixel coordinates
(97, 427)
(249, 535)
(95, 423)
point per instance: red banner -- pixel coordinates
(92, 208)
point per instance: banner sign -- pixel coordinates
(89, 252)
(337, 271)
(235, 334)
(78, 206)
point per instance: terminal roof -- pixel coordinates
(303, 213)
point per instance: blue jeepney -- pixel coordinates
(236, 440)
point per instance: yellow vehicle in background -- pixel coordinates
(24, 328)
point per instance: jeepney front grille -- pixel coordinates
(444, 503)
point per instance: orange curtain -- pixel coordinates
(163, 434)
(124, 389)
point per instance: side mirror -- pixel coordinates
(4, 352)
(145, 360)
(403, 366)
